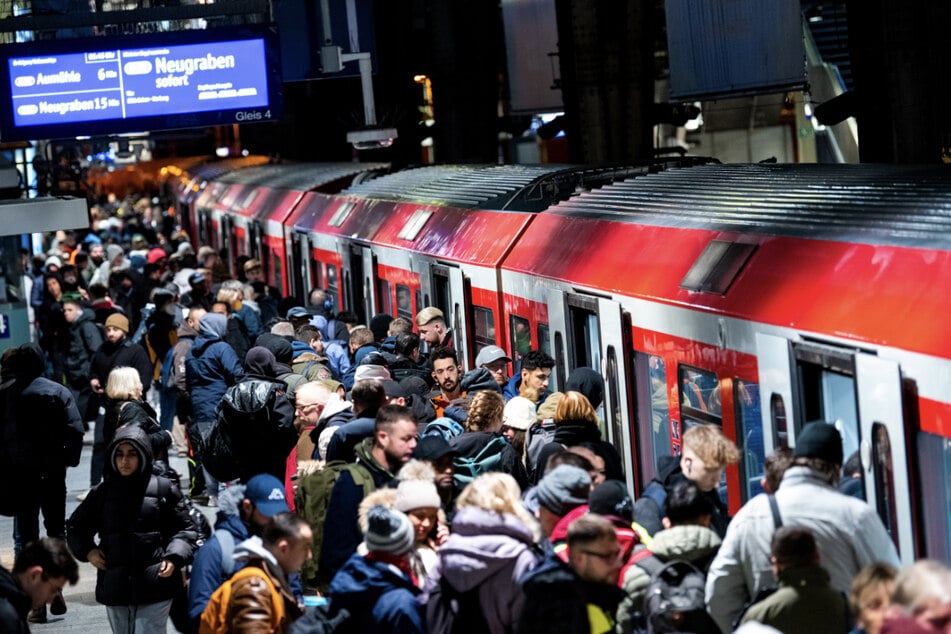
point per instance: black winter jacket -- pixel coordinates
(14, 605)
(140, 521)
(140, 414)
(121, 354)
(84, 340)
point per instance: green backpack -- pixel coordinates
(488, 459)
(311, 501)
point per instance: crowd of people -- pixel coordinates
(364, 480)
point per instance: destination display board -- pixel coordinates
(95, 86)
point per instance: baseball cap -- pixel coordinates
(252, 264)
(297, 311)
(490, 354)
(267, 494)
(195, 279)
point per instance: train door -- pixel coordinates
(862, 395)
(594, 332)
(449, 296)
(298, 264)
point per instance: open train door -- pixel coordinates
(618, 419)
(449, 295)
(883, 449)
(775, 360)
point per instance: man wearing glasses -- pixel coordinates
(494, 359)
(581, 595)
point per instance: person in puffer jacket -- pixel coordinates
(145, 536)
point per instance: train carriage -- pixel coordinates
(759, 298)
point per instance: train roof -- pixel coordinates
(875, 204)
(529, 188)
(299, 176)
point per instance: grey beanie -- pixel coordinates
(563, 489)
(389, 531)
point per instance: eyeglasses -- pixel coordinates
(303, 407)
(614, 555)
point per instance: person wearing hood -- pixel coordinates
(84, 340)
(261, 599)
(283, 353)
(145, 537)
(211, 367)
(381, 580)
(491, 547)
(243, 511)
(116, 351)
(54, 331)
(262, 440)
(48, 439)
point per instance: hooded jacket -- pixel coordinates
(469, 444)
(15, 605)
(84, 340)
(140, 521)
(487, 552)
(211, 366)
(379, 598)
(251, 605)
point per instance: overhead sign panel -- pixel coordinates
(721, 48)
(161, 81)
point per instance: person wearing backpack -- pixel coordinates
(378, 589)
(258, 598)
(145, 537)
(378, 460)
(481, 447)
(243, 511)
(582, 594)
(492, 545)
(254, 429)
(686, 536)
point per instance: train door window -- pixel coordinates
(827, 391)
(749, 433)
(441, 291)
(419, 303)
(884, 475)
(780, 426)
(333, 286)
(483, 327)
(404, 302)
(612, 409)
(585, 333)
(934, 478)
(653, 413)
(699, 397)
(521, 340)
(278, 276)
(544, 340)
(316, 273)
(384, 303)
(558, 377)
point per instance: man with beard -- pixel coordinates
(447, 373)
(381, 457)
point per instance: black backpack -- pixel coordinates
(675, 598)
(241, 426)
(449, 611)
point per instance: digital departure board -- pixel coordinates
(97, 86)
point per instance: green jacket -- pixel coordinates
(805, 603)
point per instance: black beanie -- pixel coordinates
(819, 439)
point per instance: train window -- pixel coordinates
(830, 396)
(414, 225)
(717, 267)
(246, 202)
(653, 413)
(316, 273)
(586, 336)
(521, 340)
(278, 275)
(484, 327)
(699, 396)
(544, 339)
(612, 409)
(404, 302)
(884, 478)
(384, 303)
(333, 287)
(558, 373)
(777, 414)
(749, 433)
(934, 478)
(341, 215)
(441, 291)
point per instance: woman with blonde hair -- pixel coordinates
(482, 441)
(576, 423)
(493, 543)
(124, 406)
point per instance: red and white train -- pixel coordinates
(755, 297)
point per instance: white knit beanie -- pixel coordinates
(519, 413)
(416, 494)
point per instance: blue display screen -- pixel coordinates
(153, 85)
